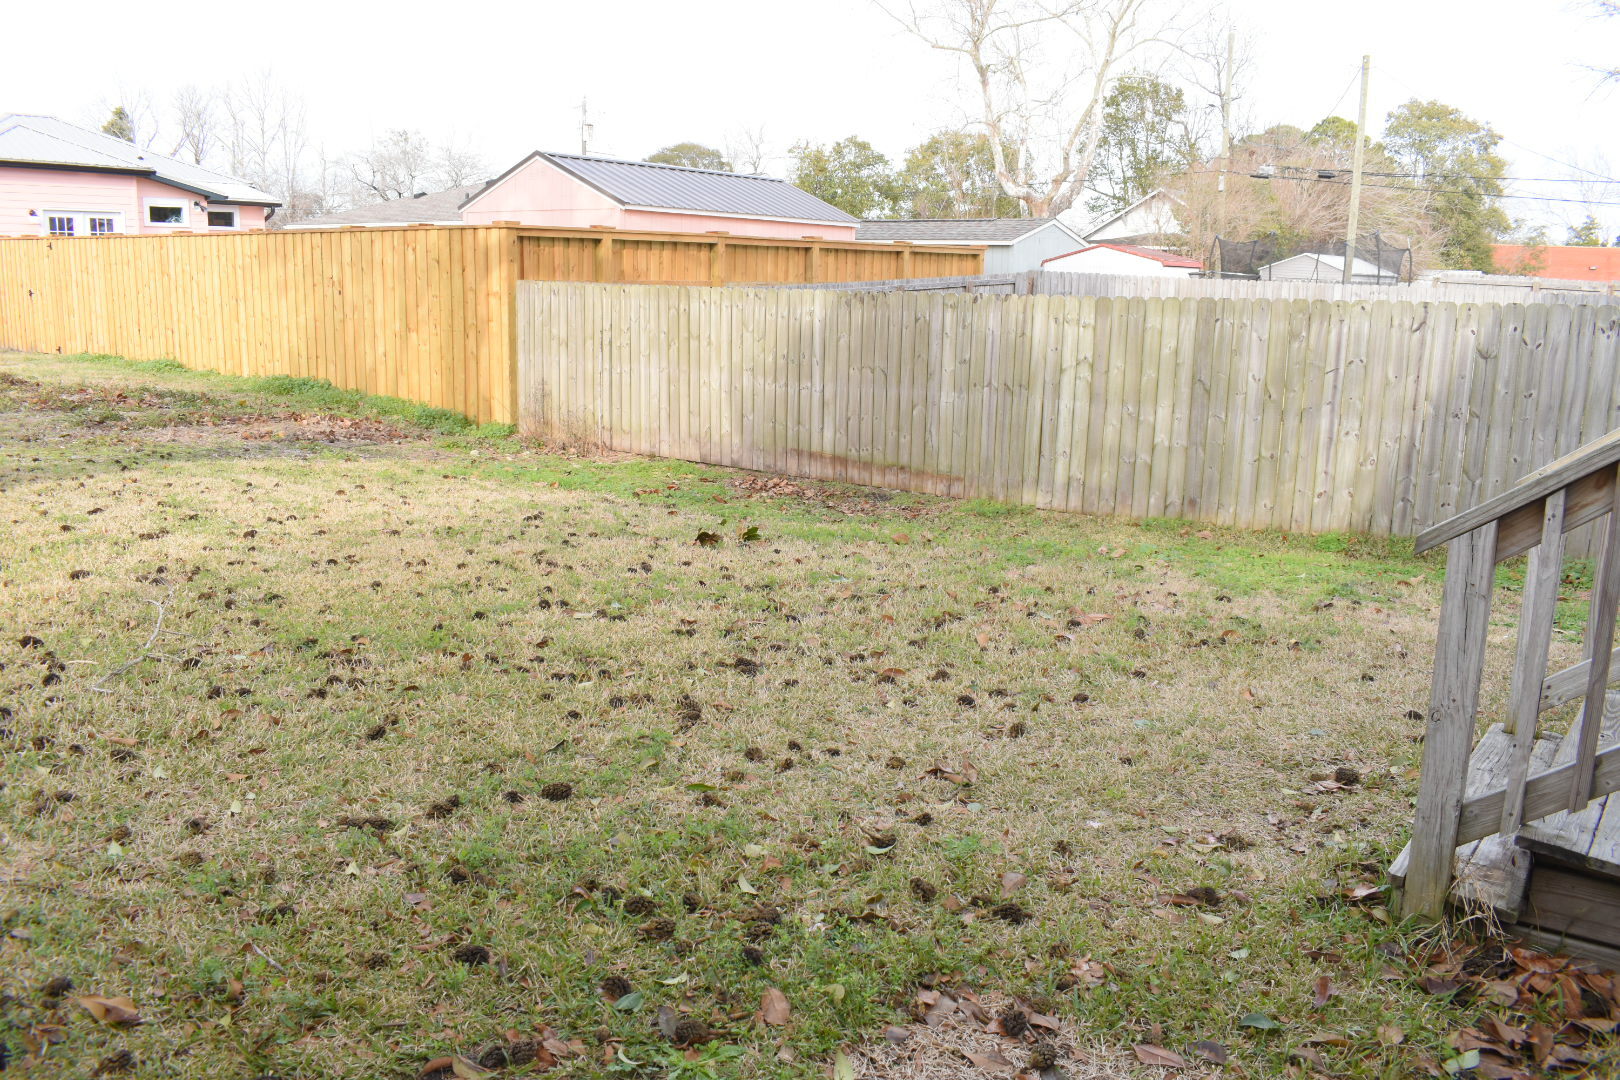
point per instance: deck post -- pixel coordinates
(1459, 665)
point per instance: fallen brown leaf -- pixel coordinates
(1148, 1054)
(774, 1008)
(111, 1010)
(989, 1062)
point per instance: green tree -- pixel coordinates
(1454, 157)
(1145, 138)
(1588, 233)
(120, 125)
(1333, 131)
(953, 175)
(850, 174)
(692, 155)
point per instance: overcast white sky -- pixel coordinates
(504, 79)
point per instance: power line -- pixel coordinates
(1418, 94)
(1404, 187)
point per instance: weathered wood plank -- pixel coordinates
(1605, 606)
(1545, 793)
(1565, 902)
(1540, 604)
(1459, 664)
(1598, 454)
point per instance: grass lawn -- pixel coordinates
(448, 746)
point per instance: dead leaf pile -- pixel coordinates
(1537, 1013)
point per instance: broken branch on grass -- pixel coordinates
(145, 653)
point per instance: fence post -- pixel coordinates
(1459, 664)
(719, 251)
(606, 265)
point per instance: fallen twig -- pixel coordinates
(161, 605)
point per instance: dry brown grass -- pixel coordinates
(881, 688)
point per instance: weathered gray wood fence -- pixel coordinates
(1374, 416)
(1493, 289)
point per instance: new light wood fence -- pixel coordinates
(418, 313)
(424, 313)
(1380, 417)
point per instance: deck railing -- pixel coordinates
(1532, 517)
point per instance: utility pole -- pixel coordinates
(1226, 148)
(585, 130)
(1355, 177)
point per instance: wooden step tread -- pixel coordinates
(1588, 838)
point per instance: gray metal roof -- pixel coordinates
(435, 207)
(675, 187)
(953, 230)
(45, 140)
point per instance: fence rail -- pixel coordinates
(419, 312)
(1065, 283)
(1380, 417)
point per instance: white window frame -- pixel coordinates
(81, 221)
(183, 205)
(236, 217)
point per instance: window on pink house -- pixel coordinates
(59, 224)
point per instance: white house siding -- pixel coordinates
(1029, 251)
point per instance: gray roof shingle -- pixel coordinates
(952, 230)
(675, 187)
(434, 208)
(45, 140)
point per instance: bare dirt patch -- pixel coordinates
(845, 499)
(291, 428)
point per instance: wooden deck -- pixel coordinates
(1557, 881)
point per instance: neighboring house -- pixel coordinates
(1149, 220)
(579, 191)
(576, 191)
(1310, 266)
(424, 208)
(58, 179)
(1011, 244)
(1558, 261)
(1124, 259)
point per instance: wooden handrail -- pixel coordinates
(1533, 516)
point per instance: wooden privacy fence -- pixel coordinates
(1492, 290)
(420, 312)
(1305, 416)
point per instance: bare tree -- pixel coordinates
(266, 144)
(455, 166)
(135, 107)
(746, 149)
(1041, 71)
(193, 110)
(403, 163)
(1217, 60)
(1296, 206)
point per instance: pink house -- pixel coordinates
(577, 191)
(58, 179)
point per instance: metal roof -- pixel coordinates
(675, 187)
(433, 208)
(45, 140)
(953, 230)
